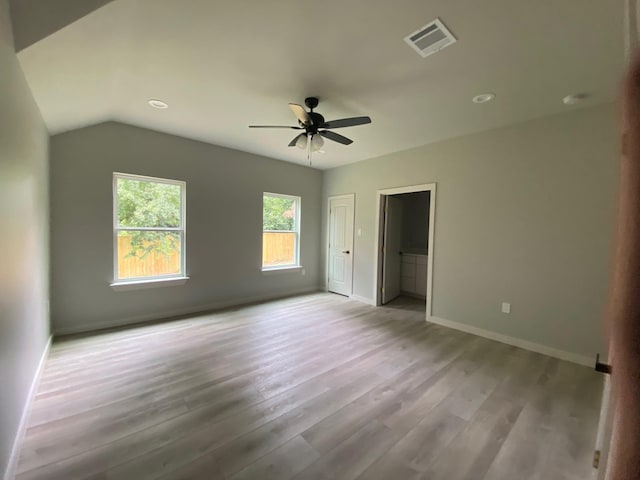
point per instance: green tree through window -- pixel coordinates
(149, 204)
(278, 213)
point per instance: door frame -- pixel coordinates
(379, 231)
(328, 237)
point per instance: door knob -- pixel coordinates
(345, 251)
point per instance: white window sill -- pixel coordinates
(283, 269)
(148, 283)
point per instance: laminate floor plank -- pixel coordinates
(47, 409)
(352, 456)
(36, 456)
(326, 434)
(174, 350)
(469, 454)
(309, 387)
(350, 379)
(282, 463)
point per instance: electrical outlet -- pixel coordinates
(506, 307)
(304, 272)
(359, 232)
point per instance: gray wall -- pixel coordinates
(224, 224)
(415, 221)
(24, 271)
(524, 214)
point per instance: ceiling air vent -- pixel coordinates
(431, 38)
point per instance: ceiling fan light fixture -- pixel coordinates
(302, 142)
(317, 142)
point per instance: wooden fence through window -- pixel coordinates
(278, 248)
(154, 263)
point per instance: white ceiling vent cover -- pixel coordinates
(430, 39)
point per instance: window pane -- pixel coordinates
(148, 204)
(278, 249)
(145, 254)
(278, 213)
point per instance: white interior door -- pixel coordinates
(391, 247)
(341, 244)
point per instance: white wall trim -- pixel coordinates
(360, 298)
(516, 342)
(425, 187)
(145, 284)
(165, 314)
(22, 426)
(282, 270)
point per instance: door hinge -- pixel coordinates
(596, 459)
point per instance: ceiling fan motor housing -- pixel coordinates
(311, 102)
(318, 122)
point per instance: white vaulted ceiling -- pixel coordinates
(222, 65)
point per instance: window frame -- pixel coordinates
(296, 223)
(182, 229)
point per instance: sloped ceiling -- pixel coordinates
(222, 65)
(34, 20)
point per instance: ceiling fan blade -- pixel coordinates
(275, 126)
(336, 137)
(293, 142)
(347, 122)
(301, 113)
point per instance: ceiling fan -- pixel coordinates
(315, 127)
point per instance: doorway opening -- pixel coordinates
(405, 237)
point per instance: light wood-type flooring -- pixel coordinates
(310, 387)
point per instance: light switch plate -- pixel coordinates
(506, 307)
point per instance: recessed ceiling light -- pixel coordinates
(158, 104)
(484, 98)
(575, 98)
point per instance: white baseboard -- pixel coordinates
(22, 426)
(149, 317)
(362, 299)
(516, 342)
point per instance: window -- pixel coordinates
(280, 231)
(148, 228)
